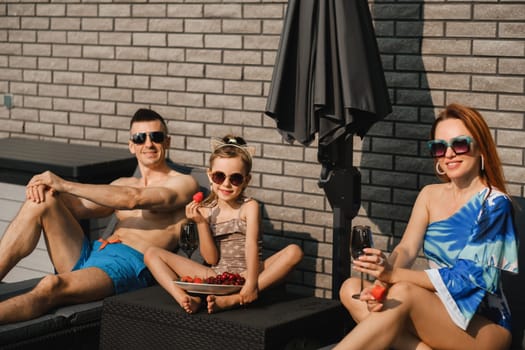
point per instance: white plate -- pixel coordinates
(205, 288)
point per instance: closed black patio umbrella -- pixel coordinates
(328, 80)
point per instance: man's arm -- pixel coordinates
(175, 192)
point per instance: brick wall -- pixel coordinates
(78, 69)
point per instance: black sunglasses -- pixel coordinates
(155, 136)
(219, 177)
(460, 145)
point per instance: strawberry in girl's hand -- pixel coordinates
(198, 197)
(378, 292)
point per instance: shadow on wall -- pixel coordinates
(275, 240)
(399, 166)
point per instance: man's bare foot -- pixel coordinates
(190, 304)
(222, 302)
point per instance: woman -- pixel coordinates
(465, 226)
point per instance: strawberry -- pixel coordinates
(197, 280)
(198, 197)
(187, 279)
(378, 292)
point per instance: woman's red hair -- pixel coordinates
(492, 174)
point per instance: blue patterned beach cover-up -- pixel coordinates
(466, 253)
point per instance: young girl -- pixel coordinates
(229, 236)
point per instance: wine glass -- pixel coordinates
(361, 238)
(189, 238)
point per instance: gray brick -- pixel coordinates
(241, 26)
(22, 62)
(50, 10)
(150, 68)
(84, 10)
(447, 11)
(242, 118)
(97, 24)
(186, 99)
(114, 10)
(112, 38)
(448, 81)
(223, 101)
(162, 54)
(207, 114)
(65, 24)
(61, 50)
(99, 79)
(88, 120)
(68, 131)
(243, 88)
(14, 9)
(512, 66)
(122, 67)
(498, 48)
(149, 10)
(515, 103)
(497, 84)
(150, 97)
(223, 41)
(202, 26)
(223, 11)
(261, 42)
(150, 39)
(99, 107)
(205, 85)
(242, 57)
(223, 72)
(82, 38)
(476, 100)
(68, 104)
(471, 29)
(116, 94)
(24, 36)
(471, 64)
(35, 23)
(204, 56)
(131, 24)
(165, 25)
(131, 53)
(166, 83)
(499, 11)
(185, 10)
(446, 46)
(512, 30)
(132, 81)
(186, 70)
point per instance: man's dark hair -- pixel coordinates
(147, 115)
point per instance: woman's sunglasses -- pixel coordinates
(460, 145)
(219, 177)
(155, 136)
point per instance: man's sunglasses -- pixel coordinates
(155, 136)
(460, 145)
(219, 177)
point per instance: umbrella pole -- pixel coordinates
(340, 250)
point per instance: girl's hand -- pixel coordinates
(248, 294)
(374, 263)
(193, 213)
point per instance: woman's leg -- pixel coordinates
(358, 311)
(410, 306)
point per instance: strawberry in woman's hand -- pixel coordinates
(198, 197)
(378, 292)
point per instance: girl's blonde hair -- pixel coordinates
(230, 146)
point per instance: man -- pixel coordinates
(149, 209)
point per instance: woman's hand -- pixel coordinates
(372, 303)
(374, 263)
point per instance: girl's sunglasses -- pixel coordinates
(155, 136)
(219, 177)
(460, 145)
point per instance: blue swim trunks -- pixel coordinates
(123, 264)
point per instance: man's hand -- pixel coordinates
(43, 184)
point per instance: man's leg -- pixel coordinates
(63, 235)
(79, 286)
